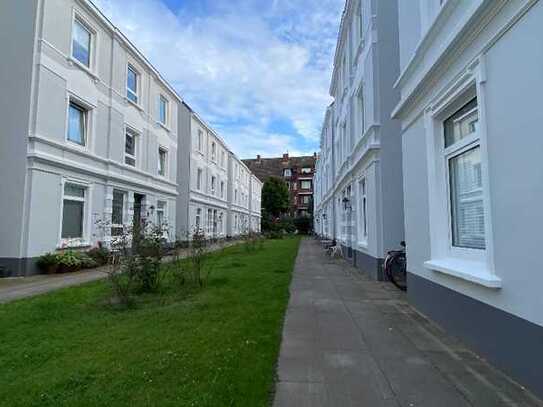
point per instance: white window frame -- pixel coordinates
(223, 159)
(135, 135)
(131, 67)
(164, 211)
(213, 151)
(87, 115)
(200, 141)
(213, 184)
(93, 55)
(310, 185)
(124, 211)
(363, 211)
(222, 189)
(199, 178)
(163, 99)
(166, 164)
(473, 265)
(86, 226)
(198, 219)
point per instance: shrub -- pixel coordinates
(48, 263)
(304, 224)
(87, 262)
(275, 235)
(100, 255)
(69, 261)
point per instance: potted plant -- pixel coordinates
(48, 263)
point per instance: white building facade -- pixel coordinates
(470, 83)
(89, 140)
(203, 178)
(89, 133)
(239, 197)
(255, 205)
(359, 169)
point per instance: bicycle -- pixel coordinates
(395, 267)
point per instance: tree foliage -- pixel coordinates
(275, 197)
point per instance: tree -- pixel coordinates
(275, 197)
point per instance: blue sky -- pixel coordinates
(257, 70)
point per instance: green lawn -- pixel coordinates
(214, 347)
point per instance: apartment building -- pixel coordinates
(203, 178)
(297, 172)
(470, 83)
(255, 207)
(89, 133)
(360, 200)
(239, 197)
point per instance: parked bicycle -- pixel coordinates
(395, 267)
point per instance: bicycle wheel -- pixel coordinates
(396, 270)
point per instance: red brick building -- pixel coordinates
(296, 171)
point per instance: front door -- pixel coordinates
(138, 205)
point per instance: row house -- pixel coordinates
(360, 202)
(471, 80)
(239, 197)
(203, 178)
(89, 140)
(255, 205)
(89, 133)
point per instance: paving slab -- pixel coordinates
(350, 341)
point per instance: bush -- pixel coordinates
(100, 255)
(304, 224)
(69, 261)
(48, 263)
(87, 262)
(275, 235)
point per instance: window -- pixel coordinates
(73, 211)
(198, 220)
(199, 179)
(209, 220)
(361, 114)
(130, 148)
(287, 172)
(77, 124)
(162, 110)
(462, 152)
(363, 210)
(306, 199)
(81, 43)
(132, 84)
(306, 170)
(161, 214)
(236, 196)
(213, 182)
(222, 189)
(305, 184)
(117, 213)
(200, 140)
(223, 159)
(162, 161)
(213, 152)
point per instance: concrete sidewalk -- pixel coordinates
(349, 341)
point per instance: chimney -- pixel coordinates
(258, 157)
(285, 157)
(314, 155)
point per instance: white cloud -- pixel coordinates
(244, 64)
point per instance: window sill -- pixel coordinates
(136, 105)
(73, 245)
(472, 271)
(164, 126)
(74, 62)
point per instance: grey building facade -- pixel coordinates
(470, 86)
(359, 199)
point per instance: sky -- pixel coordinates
(258, 71)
